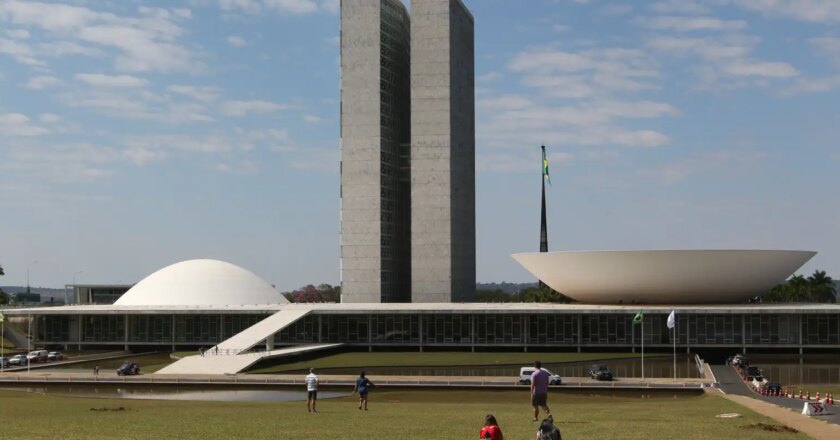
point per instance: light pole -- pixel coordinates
(29, 333)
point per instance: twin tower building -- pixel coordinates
(407, 151)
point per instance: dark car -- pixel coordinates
(754, 372)
(600, 372)
(773, 388)
(128, 369)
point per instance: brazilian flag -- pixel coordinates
(638, 318)
(545, 168)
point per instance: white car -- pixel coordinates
(526, 372)
(18, 359)
(55, 356)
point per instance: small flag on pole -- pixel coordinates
(1, 318)
(638, 318)
(545, 168)
(672, 320)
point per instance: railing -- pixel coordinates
(700, 366)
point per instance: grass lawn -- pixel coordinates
(393, 415)
(426, 359)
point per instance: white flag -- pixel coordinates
(672, 320)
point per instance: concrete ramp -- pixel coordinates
(259, 332)
(234, 363)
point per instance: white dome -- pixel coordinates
(663, 276)
(201, 283)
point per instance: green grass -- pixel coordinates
(149, 363)
(427, 359)
(402, 415)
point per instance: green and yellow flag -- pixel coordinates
(638, 318)
(545, 168)
(1, 318)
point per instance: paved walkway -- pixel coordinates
(570, 383)
(211, 363)
(784, 410)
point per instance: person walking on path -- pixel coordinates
(548, 431)
(362, 387)
(96, 370)
(539, 390)
(311, 391)
(491, 430)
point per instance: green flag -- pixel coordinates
(1, 318)
(545, 168)
(638, 318)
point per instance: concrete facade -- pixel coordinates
(442, 152)
(375, 133)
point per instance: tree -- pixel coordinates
(544, 295)
(311, 294)
(4, 298)
(817, 288)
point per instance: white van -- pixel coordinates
(526, 372)
(37, 356)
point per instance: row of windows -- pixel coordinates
(491, 328)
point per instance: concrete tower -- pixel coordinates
(442, 152)
(375, 137)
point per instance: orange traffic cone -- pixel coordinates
(808, 395)
(818, 396)
(800, 394)
(829, 399)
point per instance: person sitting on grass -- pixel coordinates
(548, 431)
(491, 429)
(362, 385)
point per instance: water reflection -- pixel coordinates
(654, 367)
(177, 393)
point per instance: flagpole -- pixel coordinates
(675, 348)
(543, 227)
(643, 346)
(2, 342)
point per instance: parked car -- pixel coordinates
(37, 356)
(128, 369)
(55, 356)
(600, 372)
(526, 372)
(740, 361)
(4, 362)
(18, 359)
(754, 373)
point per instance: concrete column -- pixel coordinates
(744, 333)
(525, 321)
(320, 332)
(269, 343)
(579, 331)
(173, 333)
(125, 335)
(472, 333)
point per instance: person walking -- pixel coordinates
(539, 391)
(311, 391)
(363, 385)
(491, 430)
(548, 431)
(96, 370)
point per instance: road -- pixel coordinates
(731, 383)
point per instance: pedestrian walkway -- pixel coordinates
(785, 410)
(233, 363)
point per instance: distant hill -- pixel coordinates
(504, 287)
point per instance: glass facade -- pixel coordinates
(457, 329)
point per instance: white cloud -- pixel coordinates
(489, 77)
(813, 85)
(101, 80)
(147, 42)
(199, 93)
(829, 47)
(678, 7)
(18, 34)
(42, 82)
(236, 41)
(705, 163)
(242, 108)
(689, 24)
(49, 118)
(763, 69)
(282, 6)
(516, 163)
(20, 51)
(19, 125)
(312, 119)
(819, 11)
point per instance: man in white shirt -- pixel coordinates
(312, 390)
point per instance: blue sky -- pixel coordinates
(137, 134)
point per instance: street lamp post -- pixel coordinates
(29, 333)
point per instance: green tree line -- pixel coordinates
(817, 288)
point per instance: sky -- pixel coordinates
(134, 135)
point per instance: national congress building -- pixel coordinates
(407, 152)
